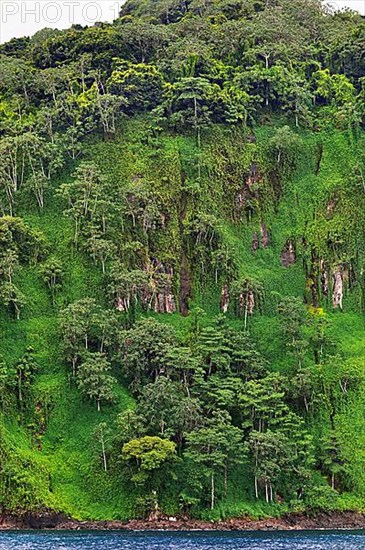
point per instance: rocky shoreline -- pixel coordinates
(289, 522)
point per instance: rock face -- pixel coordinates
(225, 299)
(246, 302)
(262, 241)
(165, 299)
(329, 282)
(152, 288)
(255, 242)
(159, 295)
(247, 192)
(265, 236)
(288, 256)
(123, 304)
(253, 176)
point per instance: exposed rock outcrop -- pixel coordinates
(165, 299)
(255, 242)
(247, 302)
(152, 287)
(265, 236)
(225, 299)
(288, 256)
(253, 176)
(248, 194)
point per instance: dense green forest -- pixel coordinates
(182, 256)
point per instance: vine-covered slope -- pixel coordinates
(182, 249)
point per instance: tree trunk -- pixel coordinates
(17, 311)
(103, 451)
(20, 387)
(212, 494)
(306, 404)
(74, 366)
(225, 480)
(196, 120)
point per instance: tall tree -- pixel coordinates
(94, 378)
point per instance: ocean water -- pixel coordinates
(300, 540)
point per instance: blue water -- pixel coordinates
(302, 540)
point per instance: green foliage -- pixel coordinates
(94, 380)
(150, 456)
(182, 214)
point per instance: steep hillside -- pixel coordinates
(182, 257)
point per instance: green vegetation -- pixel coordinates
(182, 256)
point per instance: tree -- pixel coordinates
(101, 250)
(38, 185)
(94, 380)
(280, 446)
(126, 286)
(220, 391)
(298, 98)
(82, 323)
(167, 411)
(146, 349)
(101, 434)
(129, 425)
(7, 381)
(28, 160)
(142, 40)
(268, 452)
(107, 106)
(12, 297)
(82, 195)
(283, 148)
(25, 244)
(320, 338)
(25, 371)
(12, 167)
(141, 205)
(305, 387)
(157, 403)
(214, 446)
(141, 86)
(293, 314)
(150, 459)
(261, 402)
(340, 94)
(19, 245)
(330, 459)
(183, 365)
(249, 294)
(244, 359)
(191, 105)
(53, 274)
(212, 347)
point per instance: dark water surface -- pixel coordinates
(301, 540)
